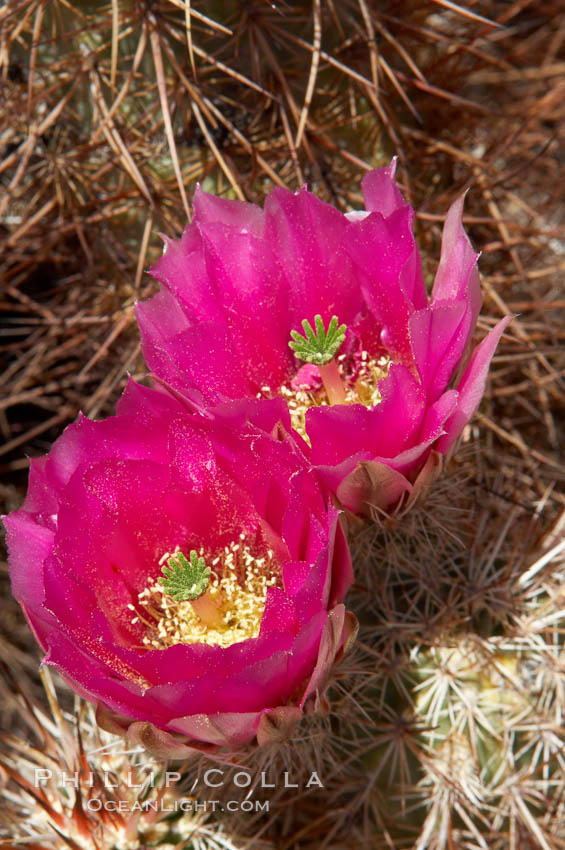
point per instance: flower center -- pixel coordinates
(328, 378)
(230, 609)
(360, 376)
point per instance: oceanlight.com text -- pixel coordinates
(95, 804)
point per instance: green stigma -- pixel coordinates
(319, 346)
(185, 579)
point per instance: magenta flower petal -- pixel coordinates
(396, 419)
(30, 543)
(237, 265)
(40, 497)
(337, 433)
(332, 476)
(381, 248)
(438, 336)
(307, 648)
(380, 192)
(209, 209)
(183, 268)
(279, 614)
(208, 347)
(372, 484)
(145, 405)
(435, 419)
(163, 327)
(457, 278)
(472, 385)
(223, 730)
(382, 195)
(342, 568)
(317, 274)
(332, 638)
(249, 281)
(116, 498)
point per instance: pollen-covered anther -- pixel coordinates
(238, 588)
(361, 387)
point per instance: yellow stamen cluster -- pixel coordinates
(238, 587)
(363, 389)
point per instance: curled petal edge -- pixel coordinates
(375, 488)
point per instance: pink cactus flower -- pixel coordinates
(381, 409)
(183, 572)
